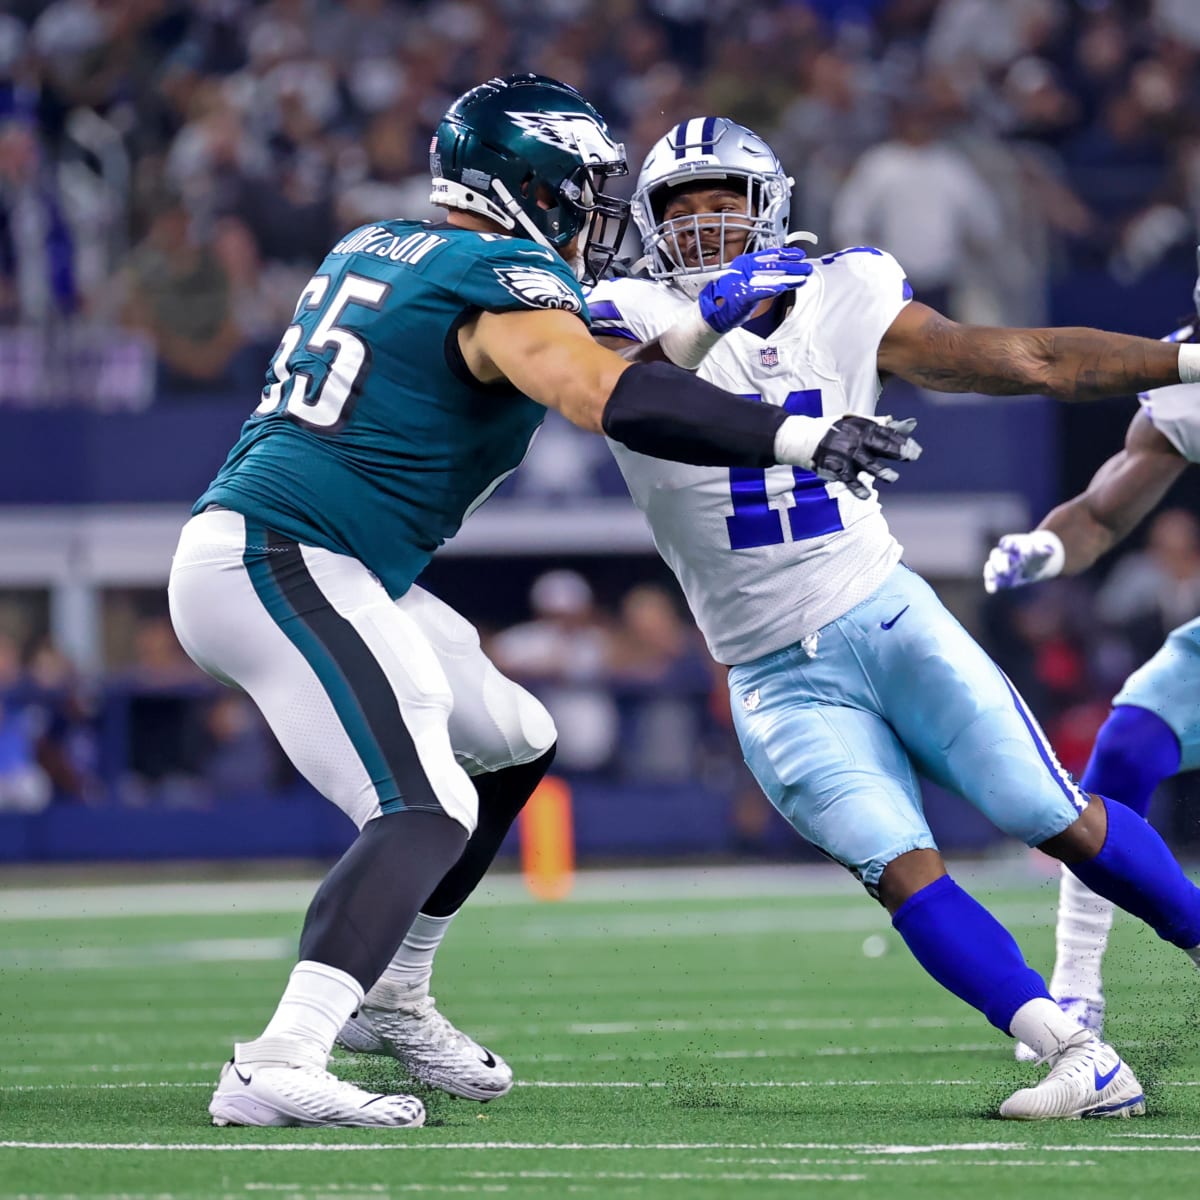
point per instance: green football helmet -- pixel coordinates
(533, 155)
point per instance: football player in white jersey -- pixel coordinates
(1153, 731)
(847, 675)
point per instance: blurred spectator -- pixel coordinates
(920, 198)
(301, 118)
(66, 725)
(1151, 591)
(395, 180)
(165, 697)
(37, 246)
(241, 757)
(563, 654)
(660, 665)
(179, 294)
(24, 786)
(822, 132)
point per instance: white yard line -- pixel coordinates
(873, 1152)
(578, 1083)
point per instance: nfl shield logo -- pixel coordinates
(769, 356)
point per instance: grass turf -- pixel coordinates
(668, 1048)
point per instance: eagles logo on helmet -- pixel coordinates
(531, 154)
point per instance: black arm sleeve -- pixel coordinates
(666, 412)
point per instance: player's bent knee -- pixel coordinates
(907, 874)
(1083, 839)
(522, 728)
(536, 724)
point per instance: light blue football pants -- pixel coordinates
(895, 687)
(1169, 686)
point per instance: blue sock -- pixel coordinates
(1137, 872)
(968, 951)
(1135, 751)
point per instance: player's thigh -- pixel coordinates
(967, 728)
(495, 722)
(1169, 686)
(349, 686)
(840, 778)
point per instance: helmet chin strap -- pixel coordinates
(519, 215)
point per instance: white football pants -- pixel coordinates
(381, 705)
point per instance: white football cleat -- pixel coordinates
(303, 1093)
(430, 1049)
(1088, 1078)
(1089, 1014)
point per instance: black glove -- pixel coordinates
(856, 444)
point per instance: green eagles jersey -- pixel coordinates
(372, 438)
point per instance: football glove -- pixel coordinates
(1022, 558)
(856, 446)
(729, 300)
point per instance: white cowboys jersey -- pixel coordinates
(767, 557)
(1175, 412)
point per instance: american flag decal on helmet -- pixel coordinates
(768, 356)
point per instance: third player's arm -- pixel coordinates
(932, 351)
(1121, 493)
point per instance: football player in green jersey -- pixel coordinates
(419, 363)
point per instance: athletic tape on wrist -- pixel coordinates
(687, 342)
(1189, 363)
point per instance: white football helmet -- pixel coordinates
(699, 150)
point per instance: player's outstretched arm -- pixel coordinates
(666, 412)
(1075, 534)
(932, 351)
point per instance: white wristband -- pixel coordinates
(1189, 363)
(797, 439)
(687, 342)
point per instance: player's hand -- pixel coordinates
(1022, 558)
(857, 446)
(731, 298)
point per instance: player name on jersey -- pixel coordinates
(383, 243)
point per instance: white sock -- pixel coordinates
(1081, 936)
(316, 1003)
(1043, 1026)
(407, 976)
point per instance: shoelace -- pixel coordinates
(1077, 1041)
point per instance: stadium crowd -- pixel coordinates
(175, 168)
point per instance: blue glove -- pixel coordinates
(731, 298)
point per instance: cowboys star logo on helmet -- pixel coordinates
(569, 131)
(538, 288)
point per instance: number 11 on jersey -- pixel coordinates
(813, 511)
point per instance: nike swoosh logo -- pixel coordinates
(244, 1078)
(1102, 1081)
(488, 1060)
(889, 624)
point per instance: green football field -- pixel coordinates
(712, 1033)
